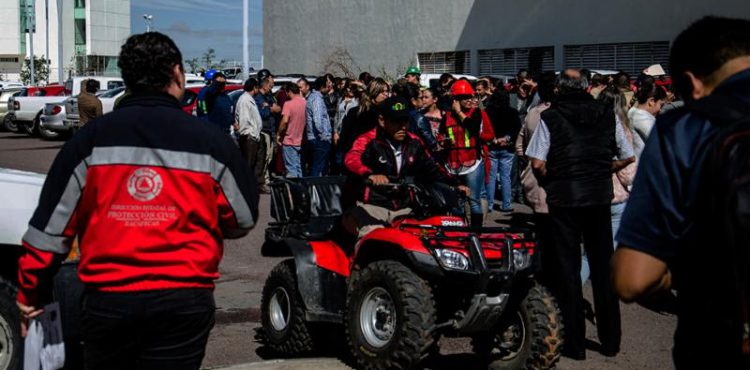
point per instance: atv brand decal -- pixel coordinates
(145, 184)
(451, 223)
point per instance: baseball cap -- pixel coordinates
(395, 109)
(263, 74)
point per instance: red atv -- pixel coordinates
(401, 287)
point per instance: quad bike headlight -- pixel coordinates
(521, 259)
(452, 260)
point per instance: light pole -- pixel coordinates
(148, 18)
(245, 41)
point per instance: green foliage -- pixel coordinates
(41, 72)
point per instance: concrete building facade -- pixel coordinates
(477, 36)
(91, 33)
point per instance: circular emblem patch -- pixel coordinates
(144, 184)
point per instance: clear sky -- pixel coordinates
(197, 25)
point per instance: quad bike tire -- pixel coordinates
(11, 342)
(538, 321)
(285, 331)
(413, 306)
(10, 125)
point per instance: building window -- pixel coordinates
(509, 61)
(80, 31)
(80, 3)
(629, 57)
(445, 62)
(8, 60)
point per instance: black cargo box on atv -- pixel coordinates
(306, 208)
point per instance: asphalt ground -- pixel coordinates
(646, 340)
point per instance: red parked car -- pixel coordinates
(49, 90)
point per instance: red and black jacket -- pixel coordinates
(372, 154)
(150, 192)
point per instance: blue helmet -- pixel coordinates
(209, 75)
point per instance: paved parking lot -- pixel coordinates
(647, 336)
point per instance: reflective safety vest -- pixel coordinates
(466, 149)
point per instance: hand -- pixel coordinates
(27, 313)
(378, 179)
(335, 138)
(275, 108)
(500, 141)
(236, 127)
(464, 189)
(456, 106)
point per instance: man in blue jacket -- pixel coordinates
(216, 105)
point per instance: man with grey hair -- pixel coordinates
(573, 152)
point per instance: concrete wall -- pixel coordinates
(298, 34)
(10, 37)
(107, 26)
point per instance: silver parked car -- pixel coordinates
(51, 121)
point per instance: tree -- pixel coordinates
(208, 58)
(41, 72)
(340, 62)
(193, 64)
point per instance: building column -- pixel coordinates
(559, 57)
(474, 67)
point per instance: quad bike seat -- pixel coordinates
(306, 208)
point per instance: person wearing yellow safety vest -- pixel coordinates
(465, 134)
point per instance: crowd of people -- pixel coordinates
(585, 145)
(573, 138)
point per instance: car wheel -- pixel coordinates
(45, 133)
(9, 124)
(10, 328)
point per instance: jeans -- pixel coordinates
(161, 329)
(501, 162)
(293, 160)
(475, 181)
(319, 157)
(617, 210)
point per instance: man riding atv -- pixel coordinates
(416, 271)
(385, 153)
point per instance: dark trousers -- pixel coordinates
(165, 329)
(593, 226)
(249, 149)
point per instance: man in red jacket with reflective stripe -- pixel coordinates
(150, 192)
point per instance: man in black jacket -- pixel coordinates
(388, 151)
(572, 154)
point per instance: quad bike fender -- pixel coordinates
(390, 244)
(320, 268)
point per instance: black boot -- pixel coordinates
(476, 222)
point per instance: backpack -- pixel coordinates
(726, 175)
